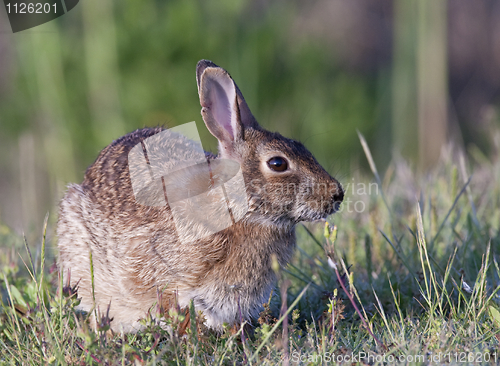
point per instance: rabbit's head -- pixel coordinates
(284, 182)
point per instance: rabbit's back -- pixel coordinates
(126, 239)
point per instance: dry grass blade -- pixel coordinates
(373, 168)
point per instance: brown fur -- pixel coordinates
(135, 248)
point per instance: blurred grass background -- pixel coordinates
(411, 75)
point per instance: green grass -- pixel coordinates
(419, 262)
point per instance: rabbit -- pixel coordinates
(135, 248)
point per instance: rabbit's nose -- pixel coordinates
(338, 196)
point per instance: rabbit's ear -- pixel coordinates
(224, 109)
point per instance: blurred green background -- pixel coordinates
(411, 75)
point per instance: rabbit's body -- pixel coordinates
(136, 251)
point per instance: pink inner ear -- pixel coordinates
(221, 108)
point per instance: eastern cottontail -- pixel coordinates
(136, 249)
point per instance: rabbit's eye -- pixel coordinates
(277, 164)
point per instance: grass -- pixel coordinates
(418, 262)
